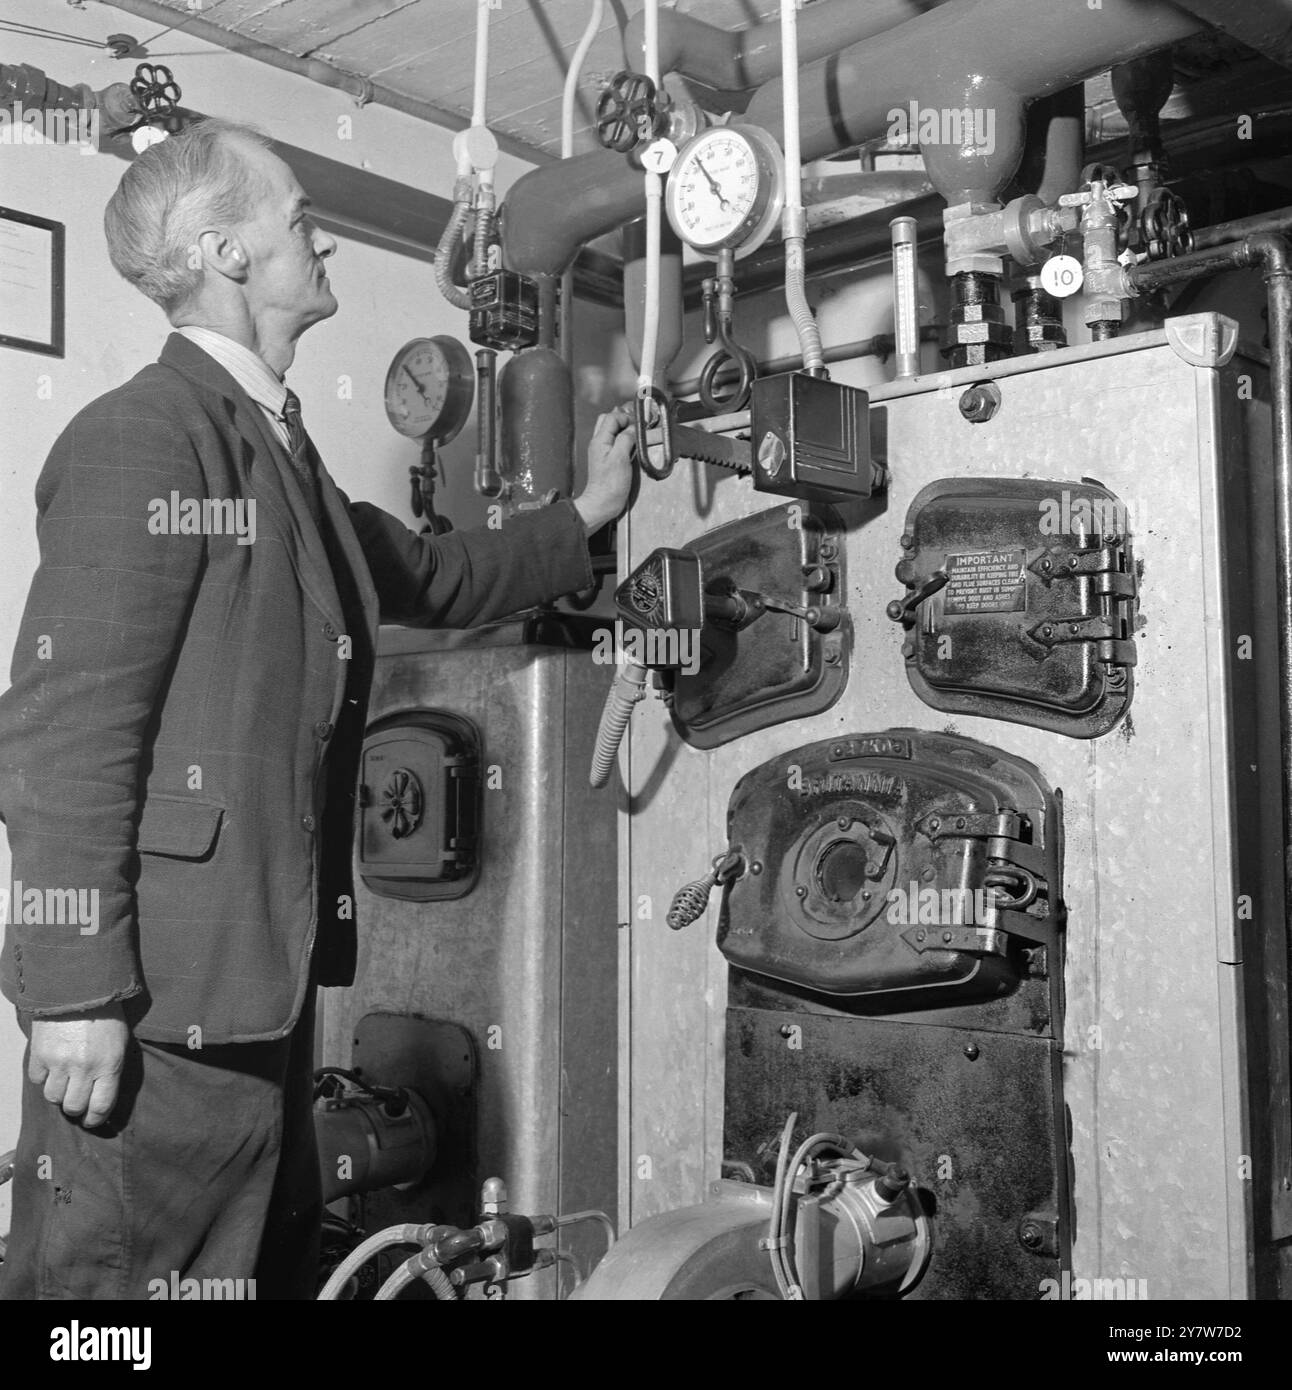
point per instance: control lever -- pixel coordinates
(902, 610)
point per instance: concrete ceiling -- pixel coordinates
(425, 49)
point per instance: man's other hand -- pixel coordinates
(610, 471)
(78, 1058)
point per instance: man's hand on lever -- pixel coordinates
(79, 1058)
(610, 473)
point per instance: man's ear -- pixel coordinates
(222, 253)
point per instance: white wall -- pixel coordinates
(112, 331)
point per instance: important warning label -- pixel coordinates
(986, 581)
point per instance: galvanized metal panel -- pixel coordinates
(1154, 1055)
(525, 962)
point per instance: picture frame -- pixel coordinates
(31, 282)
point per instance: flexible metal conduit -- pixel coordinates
(1037, 47)
(1271, 254)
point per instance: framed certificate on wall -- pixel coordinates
(31, 283)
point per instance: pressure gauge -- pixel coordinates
(726, 189)
(429, 388)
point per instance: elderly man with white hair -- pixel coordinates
(180, 745)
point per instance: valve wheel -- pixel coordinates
(155, 90)
(629, 112)
(1164, 225)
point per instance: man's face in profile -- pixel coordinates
(285, 249)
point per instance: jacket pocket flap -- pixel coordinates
(181, 826)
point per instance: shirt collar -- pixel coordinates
(251, 372)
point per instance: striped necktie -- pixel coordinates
(298, 449)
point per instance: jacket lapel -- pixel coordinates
(343, 530)
(274, 484)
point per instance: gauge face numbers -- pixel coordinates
(725, 189)
(429, 388)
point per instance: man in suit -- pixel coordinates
(179, 748)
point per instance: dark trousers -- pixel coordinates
(207, 1170)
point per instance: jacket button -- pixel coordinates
(323, 729)
(329, 630)
(307, 822)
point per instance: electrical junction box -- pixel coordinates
(811, 439)
(917, 867)
(1021, 602)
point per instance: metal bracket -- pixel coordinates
(985, 941)
(1059, 562)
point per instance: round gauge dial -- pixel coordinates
(726, 189)
(429, 388)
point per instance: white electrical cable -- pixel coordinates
(794, 220)
(654, 212)
(571, 88)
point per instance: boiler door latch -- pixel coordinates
(1021, 602)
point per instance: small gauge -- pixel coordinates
(726, 189)
(429, 388)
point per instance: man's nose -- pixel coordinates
(324, 245)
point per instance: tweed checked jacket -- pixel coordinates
(183, 729)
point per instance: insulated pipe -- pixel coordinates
(969, 49)
(740, 61)
(1265, 25)
(1272, 255)
(851, 96)
(1054, 150)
